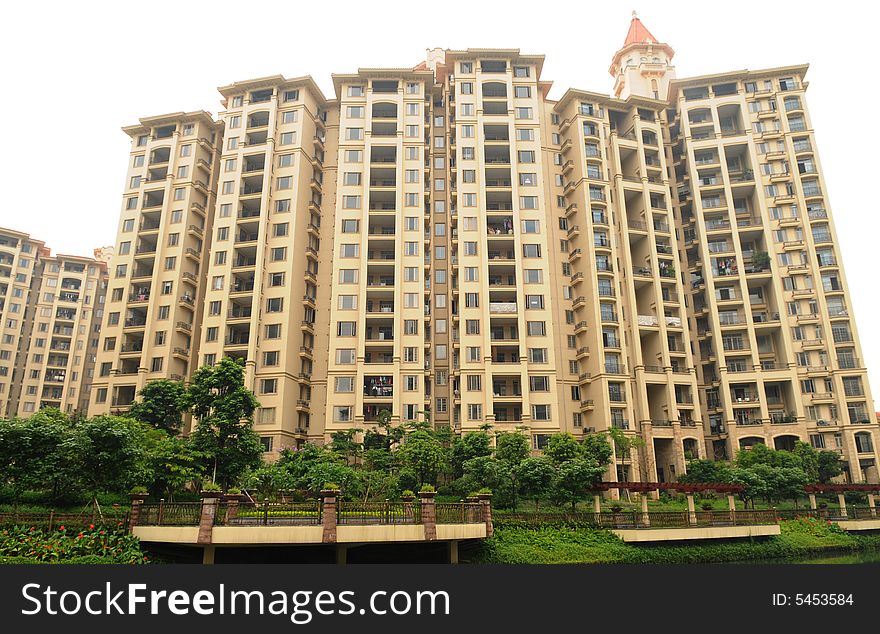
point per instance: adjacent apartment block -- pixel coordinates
(445, 242)
(52, 308)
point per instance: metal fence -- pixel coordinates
(170, 514)
(54, 520)
(269, 514)
(365, 513)
(459, 513)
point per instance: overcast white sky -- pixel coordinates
(74, 72)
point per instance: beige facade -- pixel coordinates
(52, 307)
(444, 241)
(157, 282)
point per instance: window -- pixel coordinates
(540, 412)
(344, 384)
(536, 328)
(342, 413)
(345, 356)
(520, 71)
(537, 355)
(539, 384)
(351, 202)
(355, 91)
(275, 305)
(354, 134)
(156, 364)
(522, 92)
(270, 358)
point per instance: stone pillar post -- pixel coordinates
(134, 515)
(841, 501)
(597, 504)
(731, 506)
(486, 504)
(206, 521)
(232, 506)
(429, 514)
(813, 506)
(872, 506)
(646, 519)
(328, 515)
(692, 513)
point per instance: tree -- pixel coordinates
(161, 405)
(268, 479)
(172, 462)
(423, 454)
(29, 451)
(535, 477)
(575, 479)
(754, 485)
(107, 453)
(344, 444)
(473, 444)
(563, 447)
(224, 409)
(511, 449)
(829, 466)
(705, 471)
(597, 446)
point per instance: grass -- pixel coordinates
(582, 545)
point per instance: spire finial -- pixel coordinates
(635, 15)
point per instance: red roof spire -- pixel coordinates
(637, 33)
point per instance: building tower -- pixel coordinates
(642, 66)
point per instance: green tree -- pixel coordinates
(705, 471)
(344, 444)
(161, 405)
(562, 448)
(107, 453)
(598, 447)
(172, 462)
(472, 444)
(829, 466)
(575, 479)
(268, 480)
(511, 449)
(753, 482)
(535, 477)
(29, 455)
(423, 454)
(224, 409)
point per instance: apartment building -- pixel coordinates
(157, 279)
(51, 309)
(445, 242)
(263, 292)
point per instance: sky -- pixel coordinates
(74, 73)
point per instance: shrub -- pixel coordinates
(66, 544)
(233, 491)
(211, 487)
(139, 490)
(427, 488)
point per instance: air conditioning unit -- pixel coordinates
(589, 430)
(822, 423)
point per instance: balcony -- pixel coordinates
(502, 307)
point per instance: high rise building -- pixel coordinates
(157, 274)
(445, 242)
(51, 307)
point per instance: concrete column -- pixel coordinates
(134, 515)
(872, 506)
(841, 501)
(453, 551)
(206, 521)
(328, 516)
(813, 501)
(731, 507)
(646, 519)
(429, 514)
(486, 508)
(208, 554)
(341, 554)
(597, 504)
(692, 512)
